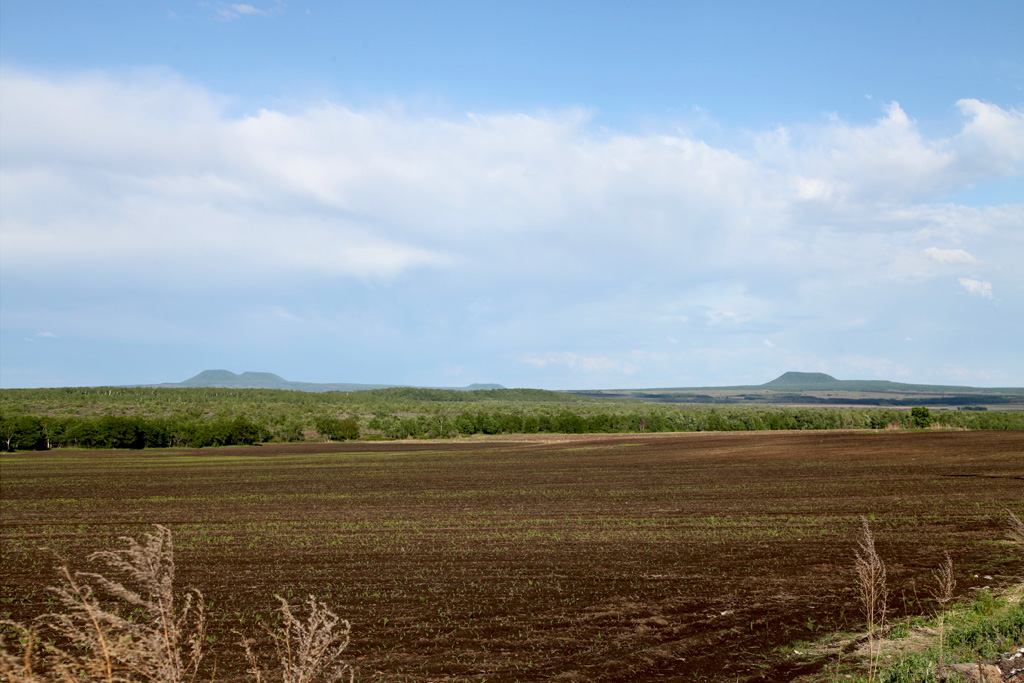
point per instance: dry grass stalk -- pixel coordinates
(136, 631)
(133, 631)
(1016, 528)
(13, 667)
(945, 583)
(307, 650)
(874, 592)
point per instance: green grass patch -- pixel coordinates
(978, 631)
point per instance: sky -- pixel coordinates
(559, 195)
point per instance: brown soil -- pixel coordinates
(588, 558)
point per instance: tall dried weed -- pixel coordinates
(874, 591)
(17, 666)
(1016, 528)
(945, 582)
(126, 626)
(306, 650)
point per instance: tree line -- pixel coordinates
(629, 418)
(36, 433)
(245, 421)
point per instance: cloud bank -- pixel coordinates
(539, 235)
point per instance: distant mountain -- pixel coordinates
(802, 380)
(225, 379)
(817, 388)
(790, 388)
(819, 381)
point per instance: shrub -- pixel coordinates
(921, 416)
(22, 433)
(337, 429)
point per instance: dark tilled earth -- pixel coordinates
(599, 558)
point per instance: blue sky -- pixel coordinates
(555, 195)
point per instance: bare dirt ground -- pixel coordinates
(664, 557)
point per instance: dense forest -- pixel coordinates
(135, 417)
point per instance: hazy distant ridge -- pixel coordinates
(819, 381)
(786, 383)
(817, 388)
(225, 379)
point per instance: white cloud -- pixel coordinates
(247, 9)
(333, 190)
(884, 162)
(892, 161)
(719, 317)
(41, 335)
(855, 365)
(974, 377)
(977, 287)
(808, 189)
(610, 241)
(993, 139)
(590, 365)
(224, 11)
(949, 256)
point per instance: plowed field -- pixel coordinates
(599, 558)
